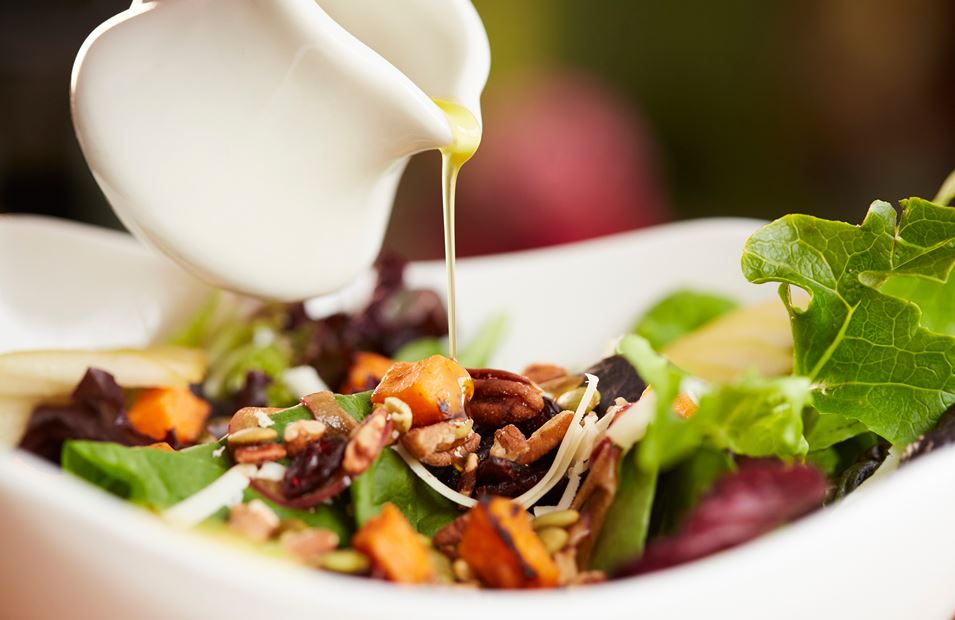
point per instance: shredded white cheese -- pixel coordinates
(590, 435)
(270, 471)
(632, 424)
(264, 419)
(218, 451)
(225, 491)
(303, 380)
(565, 453)
(432, 481)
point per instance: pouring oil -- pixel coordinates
(466, 136)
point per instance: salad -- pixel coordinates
(351, 443)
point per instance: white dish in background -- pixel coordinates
(70, 550)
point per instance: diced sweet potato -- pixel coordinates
(394, 547)
(161, 445)
(684, 406)
(157, 411)
(500, 545)
(436, 389)
(366, 372)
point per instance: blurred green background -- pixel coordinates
(601, 116)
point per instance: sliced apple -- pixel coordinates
(756, 337)
(51, 374)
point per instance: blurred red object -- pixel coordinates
(562, 159)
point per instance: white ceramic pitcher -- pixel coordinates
(259, 143)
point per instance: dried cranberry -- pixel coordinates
(314, 467)
(760, 496)
(496, 476)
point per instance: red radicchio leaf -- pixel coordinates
(97, 412)
(760, 496)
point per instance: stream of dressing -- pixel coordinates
(466, 136)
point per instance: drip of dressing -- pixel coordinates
(466, 137)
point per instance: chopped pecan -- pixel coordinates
(255, 520)
(468, 478)
(300, 433)
(596, 494)
(447, 538)
(509, 442)
(539, 373)
(262, 453)
(502, 397)
(309, 543)
(456, 454)
(424, 441)
(366, 442)
(547, 437)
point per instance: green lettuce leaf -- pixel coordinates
(389, 479)
(867, 355)
(624, 532)
(149, 477)
(823, 431)
(156, 479)
(356, 405)
(679, 314)
(753, 416)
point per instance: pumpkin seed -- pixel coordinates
(442, 566)
(347, 561)
(557, 518)
(463, 429)
(252, 435)
(569, 401)
(400, 412)
(462, 571)
(554, 538)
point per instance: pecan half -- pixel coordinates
(509, 442)
(539, 373)
(502, 397)
(307, 544)
(447, 538)
(424, 441)
(468, 479)
(596, 494)
(367, 441)
(262, 453)
(299, 434)
(455, 455)
(255, 520)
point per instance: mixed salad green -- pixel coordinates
(711, 425)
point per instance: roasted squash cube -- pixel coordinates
(500, 545)
(436, 389)
(394, 547)
(366, 372)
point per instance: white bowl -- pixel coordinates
(70, 550)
